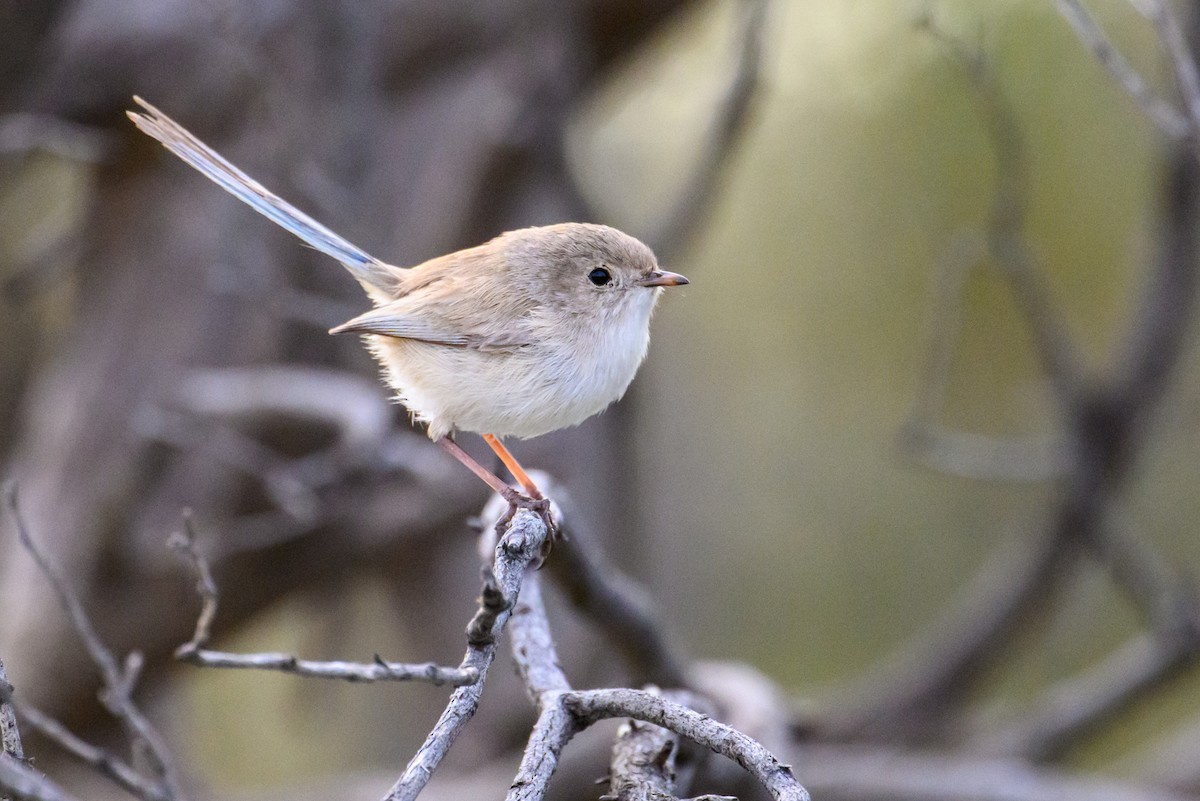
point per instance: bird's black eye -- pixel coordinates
(600, 277)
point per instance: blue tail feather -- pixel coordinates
(364, 267)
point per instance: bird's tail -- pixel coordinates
(369, 271)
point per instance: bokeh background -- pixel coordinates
(844, 429)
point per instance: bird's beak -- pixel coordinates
(662, 278)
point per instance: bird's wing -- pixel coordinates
(386, 321)
(370, 272)
(418, 317)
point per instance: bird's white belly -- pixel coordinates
(522, 393)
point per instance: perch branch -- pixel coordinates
(520, 547)
(537, 665)
(564, 712)
(533, 644)
(10, 736)
(616, 604)
(554, 728)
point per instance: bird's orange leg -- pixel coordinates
(514, 467)
(489, 478)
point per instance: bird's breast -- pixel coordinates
(556, 381)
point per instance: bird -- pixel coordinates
(535, 330)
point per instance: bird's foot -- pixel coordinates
(539, 506)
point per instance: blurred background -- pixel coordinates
(919, 442)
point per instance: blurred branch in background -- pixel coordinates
(1169, 119)
(145, 743)
(10, 736)
(729, 121)
(920, 695)
(280, 458)
(21, 134)
(173, 383)
(118, 429)
(512, 556)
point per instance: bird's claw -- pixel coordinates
(539, 506)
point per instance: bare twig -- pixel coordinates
(119, 680)
(184, 544)
(646, 764)
(360, 672)
(194, 652)
(554, 729)
(520, 547)
(590, 706)
(1164, 115)
(28, 784)
(563, 713)
(104, 762)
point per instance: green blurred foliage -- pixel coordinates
(43, 200)
(785, 527)
(789, 528)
